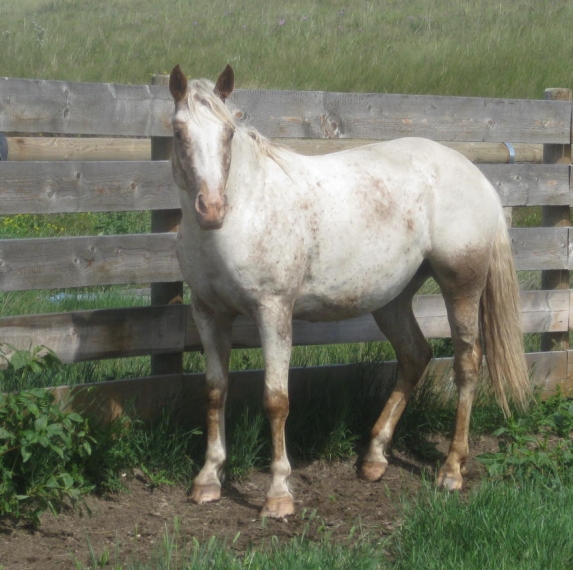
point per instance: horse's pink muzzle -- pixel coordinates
(210, 211)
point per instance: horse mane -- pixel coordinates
(202, 96)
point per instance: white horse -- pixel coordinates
(274, 235)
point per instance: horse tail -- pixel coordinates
(500, 323)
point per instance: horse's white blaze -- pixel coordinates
(332, 237)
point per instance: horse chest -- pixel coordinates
(230, 271)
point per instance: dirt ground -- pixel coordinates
(328, 497)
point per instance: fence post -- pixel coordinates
(556, 216)
(165, 221)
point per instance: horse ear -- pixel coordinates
(225, 83)
(178, 84)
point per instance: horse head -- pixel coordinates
(203, 130)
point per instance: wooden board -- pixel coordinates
(477, 152)
(541, 311)
(184, 394)
(31, 106)
(540, 248)
(530, 184)
(78, 262)
(49, 263)
(81, 148)
(387, 116)
(94, 335)
(90, 335)
(69, 186)
(102, 148)
(68, 108)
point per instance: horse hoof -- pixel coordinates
(372, 470)
(449, 481)
(202, 494)
(278, 507)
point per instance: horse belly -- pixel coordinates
(353, 291)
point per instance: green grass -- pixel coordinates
(496, 526)
(456, 47)
(299, 553)
(516, 522)
(492, 527)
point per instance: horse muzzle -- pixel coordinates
(210, 211)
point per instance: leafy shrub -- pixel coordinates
(537, 447)
(19, 365)
(42, 449)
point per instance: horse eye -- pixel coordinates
(177, 135)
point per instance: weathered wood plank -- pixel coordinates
(540, 248)
(49, 263)
(90, 335)
(101, 148)
(81, 148)
(529, 184)
(386, 116)
(541, 311)
(68, 186)
(94, 335)
(61, 107)
(477, 152)
(184, 394)
(82, 261)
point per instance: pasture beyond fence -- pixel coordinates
(105, 148)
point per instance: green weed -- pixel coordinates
(353, 554)
(21, 365)
(536, 448)
(248, 444)
(42, 453)
(164, 452)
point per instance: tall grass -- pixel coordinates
(502, 49)
(497, 526)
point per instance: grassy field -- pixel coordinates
(452, 47)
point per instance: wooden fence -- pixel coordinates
(119, 164)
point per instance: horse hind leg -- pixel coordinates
(462, 298)
(398, 323)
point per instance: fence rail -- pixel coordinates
(68, 174)
(30, 106)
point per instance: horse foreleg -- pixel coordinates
(275, 326)
(215, 332)
(396, 320)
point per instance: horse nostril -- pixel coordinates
(201, 206)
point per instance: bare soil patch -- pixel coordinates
(328, 496)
